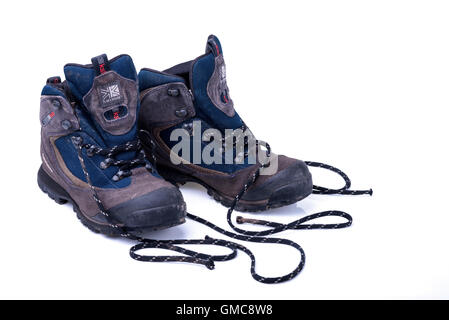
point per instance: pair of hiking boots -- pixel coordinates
(108, 142)
(90, 141)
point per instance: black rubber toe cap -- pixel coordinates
(158, 209)
(287, 186)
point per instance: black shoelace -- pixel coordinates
(124, 166)
(207, 260)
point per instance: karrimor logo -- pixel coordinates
(235, 147)
(110, 94)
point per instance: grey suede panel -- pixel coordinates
(98, 101)
(158, 108)
(51, 131)
(61, 113)
(231, 184)
(52, 161)
(142, 182)
(227, 184)
(217, 85)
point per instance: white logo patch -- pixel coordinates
(110, 93)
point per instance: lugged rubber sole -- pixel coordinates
(61, 196)
(178, 179)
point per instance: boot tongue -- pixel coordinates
(108, 92)
(210, 88)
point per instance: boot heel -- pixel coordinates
(51, 188)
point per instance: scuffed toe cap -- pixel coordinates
(291, 183)
(161, 208)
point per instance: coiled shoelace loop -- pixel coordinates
(344, 189)
(207, 260)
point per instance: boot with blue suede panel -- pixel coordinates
(91, 154)
(194, 95)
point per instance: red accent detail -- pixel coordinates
(116, 116)
(55, 81)
(102, 70)
(52, 114)
(218, 50)
(224, 96)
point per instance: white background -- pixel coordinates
(362, 85)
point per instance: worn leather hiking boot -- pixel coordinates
(91, 154)
(194, 97)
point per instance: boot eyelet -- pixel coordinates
(173, 92)
(77, 141)
(56, 103)
(105, 163)
(118, 176)
(90, 151)
(66, 124)
(181, 113)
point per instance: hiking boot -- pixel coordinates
(91, 154)
(194, 96)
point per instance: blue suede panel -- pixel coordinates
(149, 79)
(227, 168)
(209, 115)
(99, 177)
(112, 140)
(202, 71)
(124, 66)
(81, 78)
(87, 126)
(49, 90)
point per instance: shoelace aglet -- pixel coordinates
(241, 220)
